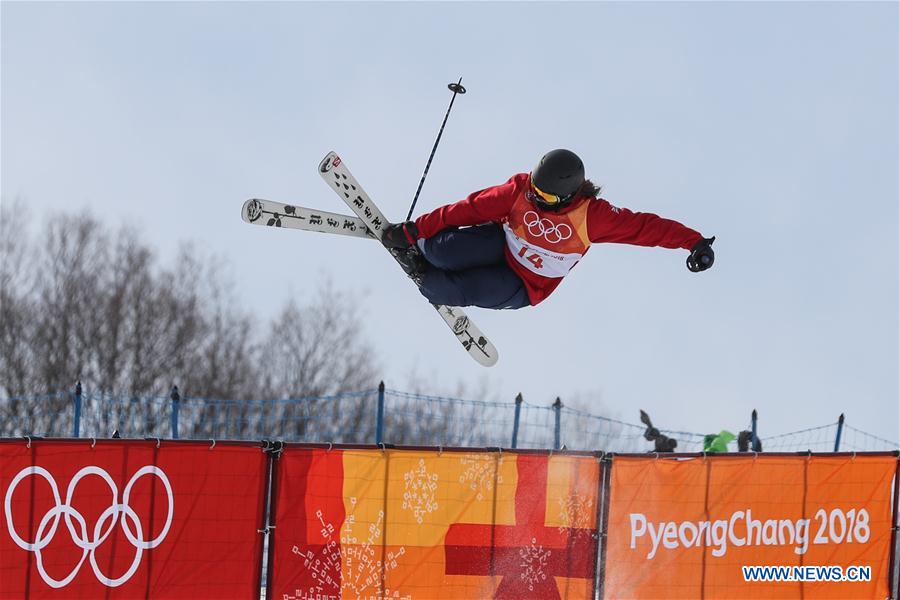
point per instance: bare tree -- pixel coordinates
(15, 323)
(69, 264)
(316, 351)
(127, 267)
(216, 355)
(81, 302)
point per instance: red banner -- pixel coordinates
(124, 519)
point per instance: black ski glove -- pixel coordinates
(702, 256)
(400, 235)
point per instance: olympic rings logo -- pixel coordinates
(115, 513)
(552, 232)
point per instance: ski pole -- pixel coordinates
(456, 88)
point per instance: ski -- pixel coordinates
(276, 214)
(339, 178)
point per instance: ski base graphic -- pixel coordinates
(276, 214)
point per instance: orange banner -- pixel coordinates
(687, 528)
(411, 524)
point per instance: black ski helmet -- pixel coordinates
(559, 173)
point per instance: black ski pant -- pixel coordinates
(467, 268)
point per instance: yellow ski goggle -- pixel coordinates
(545, 196)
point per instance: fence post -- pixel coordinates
(76, 425)
(176, 402)
(556, 430)
(894, 529)
(603, 523)
(379, 422)
(837, 438)
(515, 436)
(753, 443)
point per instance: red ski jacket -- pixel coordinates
(543, 246)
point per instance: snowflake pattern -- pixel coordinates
(575, 512)
(348, 570)
(534, 561)
(420, 487)
(479, 474)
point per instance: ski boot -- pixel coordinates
(412, 261)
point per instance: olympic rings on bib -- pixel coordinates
(117, 512)
(552, 232)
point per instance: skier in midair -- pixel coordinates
(510, 245)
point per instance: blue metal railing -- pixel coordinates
(381, 415)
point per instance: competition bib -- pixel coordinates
(539, 260)
(545, 243)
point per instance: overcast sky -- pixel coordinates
(773, 126)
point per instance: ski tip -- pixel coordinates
(478, 346)
(251, 211)
(331, 160)
(488, 355)
(491, 359)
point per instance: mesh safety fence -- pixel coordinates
(376, 416)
